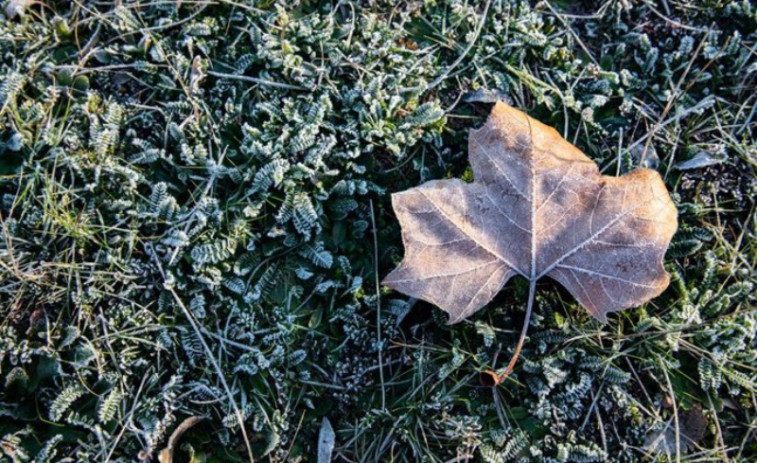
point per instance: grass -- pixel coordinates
(194, 202)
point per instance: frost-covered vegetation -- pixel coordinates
(195, 213)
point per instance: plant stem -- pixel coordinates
(378, 310)
(523, 331)
(498, 378)
(254, 80)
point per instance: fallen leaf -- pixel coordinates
(538, 208)
(484, 95)
(692, 427)
(700, 160)
(326, 440)
(17, 8)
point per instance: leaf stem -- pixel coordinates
(493, 378)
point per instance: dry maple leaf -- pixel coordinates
(538, 207)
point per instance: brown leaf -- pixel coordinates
(692, 425)
(538, 207)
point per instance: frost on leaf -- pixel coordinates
(538, 207)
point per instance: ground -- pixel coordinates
(195, 212)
